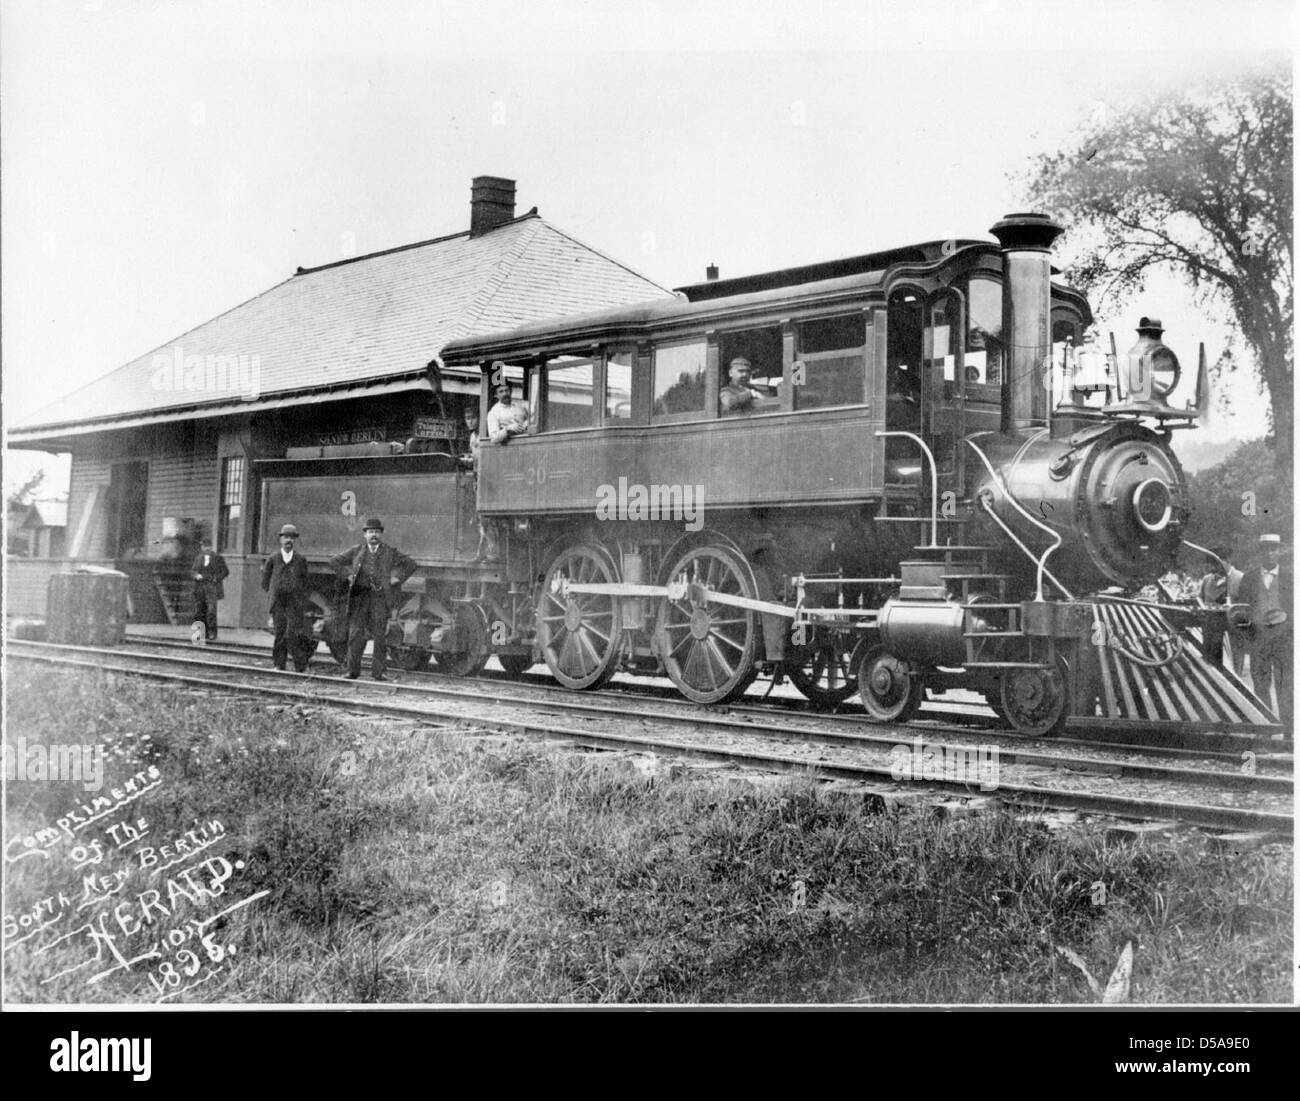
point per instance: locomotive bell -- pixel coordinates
(1091, 373)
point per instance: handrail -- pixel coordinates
(1054, 535)
(1207, 553)
(934, 481)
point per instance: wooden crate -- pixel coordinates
(87, 609)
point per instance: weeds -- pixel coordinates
(417, 865)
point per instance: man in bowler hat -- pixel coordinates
(210, 571)
(284, 577)
(374, 572)
(1266, 587)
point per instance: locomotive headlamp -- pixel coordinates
(1153, 369)
(1153, 504)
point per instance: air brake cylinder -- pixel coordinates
(1026, 241)
(927, 632)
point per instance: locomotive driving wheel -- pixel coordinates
(1036, 702)
(890, 691)
(468, 659)
(708, 648)
(823, 670)
(579, 633)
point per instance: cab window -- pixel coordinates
(832, 353)
(903, 387)
(567, 399)
(519, 377)
(678, 381)
(749, 371)
(618, 387)
(984, 352)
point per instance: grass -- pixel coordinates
(411, 864)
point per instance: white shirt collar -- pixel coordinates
(287, 555)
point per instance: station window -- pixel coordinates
(569, 398)
(618, 387)
(984, 336)
(232, 503)
(679, 381)
(833, 353)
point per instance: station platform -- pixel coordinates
(241, 636)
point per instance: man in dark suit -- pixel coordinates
(209, 572)
(1267, 589)
(374, 572)
(284, 577)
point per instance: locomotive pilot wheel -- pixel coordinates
(823, 670)
(1036, 702)
(708, 648)
(890, 691)
(993, 698)
(579, 633)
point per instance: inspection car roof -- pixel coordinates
(355, 327)
(813, 286)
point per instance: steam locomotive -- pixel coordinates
(938, 479)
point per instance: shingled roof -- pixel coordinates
(354, 324)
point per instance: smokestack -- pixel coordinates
(1026, 241)
(492, 203)
(711, 273)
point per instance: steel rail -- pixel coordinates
(1019, 795)
(1277, 755)
(563, 699)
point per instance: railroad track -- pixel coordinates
(1267, 754)
(1216, 798)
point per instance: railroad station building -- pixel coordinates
(331, 363)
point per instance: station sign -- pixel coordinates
(435, 428)
(351, 435)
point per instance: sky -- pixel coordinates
(164, 160)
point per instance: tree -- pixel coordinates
(17, 501)
(1238, 500)
(1198, 183)
(24, 493)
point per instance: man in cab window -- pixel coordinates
(507, 417)
(738, 397)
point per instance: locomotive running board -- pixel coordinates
(1190, 690)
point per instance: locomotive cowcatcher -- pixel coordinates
(937, 480)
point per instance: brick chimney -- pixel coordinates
(492, 203)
